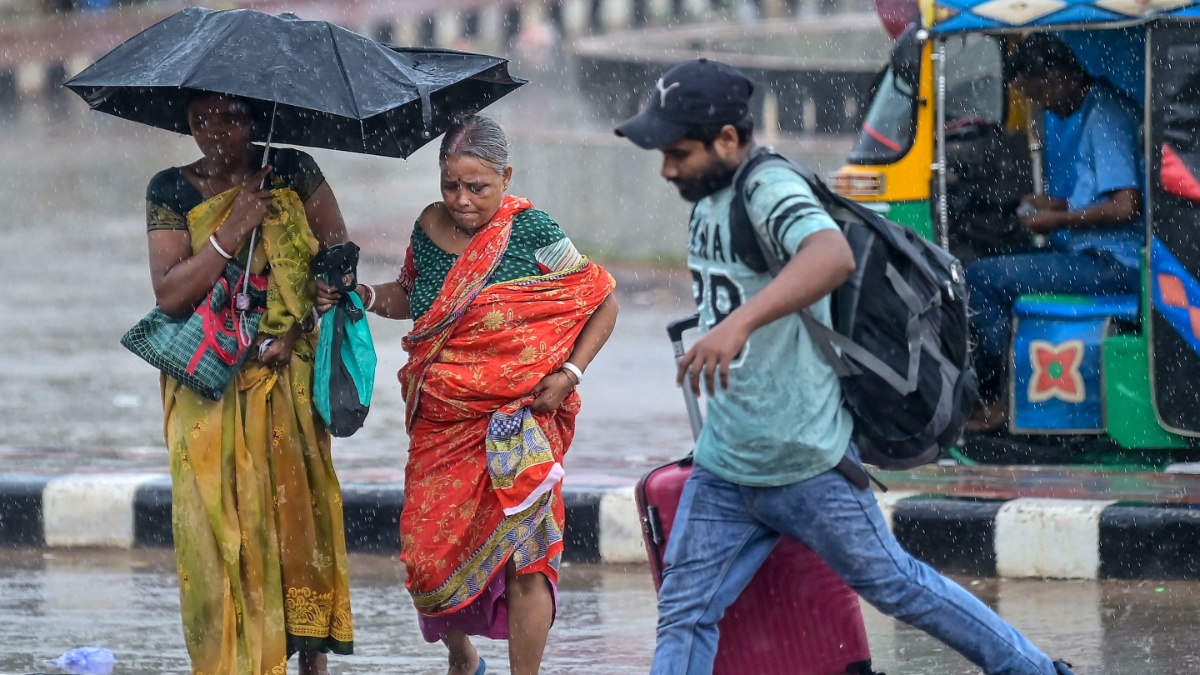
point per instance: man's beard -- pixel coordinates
(718, 177)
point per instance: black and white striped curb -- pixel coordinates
(1038, 538)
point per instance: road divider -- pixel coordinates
(1017, 538)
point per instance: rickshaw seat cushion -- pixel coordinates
(1118, 307)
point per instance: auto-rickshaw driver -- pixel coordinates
(1094, 230)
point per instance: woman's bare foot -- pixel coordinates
(313, 663)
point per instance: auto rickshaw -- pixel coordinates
(948, 148)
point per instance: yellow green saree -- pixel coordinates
(257, 509)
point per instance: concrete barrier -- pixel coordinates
(1052, 539)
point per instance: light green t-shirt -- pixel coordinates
(781, 420)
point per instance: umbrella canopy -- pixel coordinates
(328, 87)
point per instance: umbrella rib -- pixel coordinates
(342, 66)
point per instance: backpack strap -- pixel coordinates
(830, 338)
(828, 341)
(826, 338)
(743, 238)
(764, 157)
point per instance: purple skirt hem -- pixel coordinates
(486, 616)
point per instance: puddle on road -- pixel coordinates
(127, 601)
(54, 600)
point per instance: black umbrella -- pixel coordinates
(322, 85)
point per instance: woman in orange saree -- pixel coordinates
(508, 315)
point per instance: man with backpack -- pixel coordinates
(775, 456)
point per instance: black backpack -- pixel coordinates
(899, 322)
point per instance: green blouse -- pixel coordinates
(532, 231)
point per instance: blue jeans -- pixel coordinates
(724, 531)
(995, 283)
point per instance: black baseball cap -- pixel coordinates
(691, 95)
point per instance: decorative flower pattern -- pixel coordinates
(482, 347)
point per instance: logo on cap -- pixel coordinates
(663, 91)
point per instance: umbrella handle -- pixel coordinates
(270, 133)
(254, 234)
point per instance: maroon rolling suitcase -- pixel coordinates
(796, 617)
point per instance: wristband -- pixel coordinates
(212, 239)
(574, 370)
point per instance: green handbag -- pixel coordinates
(344, 366)
(205, 350)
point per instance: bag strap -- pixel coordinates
(827, 340)
(762, 158)
(743, 237)
(745, 241)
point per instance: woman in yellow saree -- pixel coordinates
(507, 316)
(257, 512)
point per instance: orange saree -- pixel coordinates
(483, 480)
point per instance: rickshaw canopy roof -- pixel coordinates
(959, 16)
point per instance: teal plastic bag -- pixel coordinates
(344, 370)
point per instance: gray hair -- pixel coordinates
(479, 137)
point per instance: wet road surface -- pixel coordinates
(127, 601)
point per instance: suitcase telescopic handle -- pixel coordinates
(675, 330)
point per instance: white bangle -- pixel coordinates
(212, 239)
(574, 369)
(371, 304)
